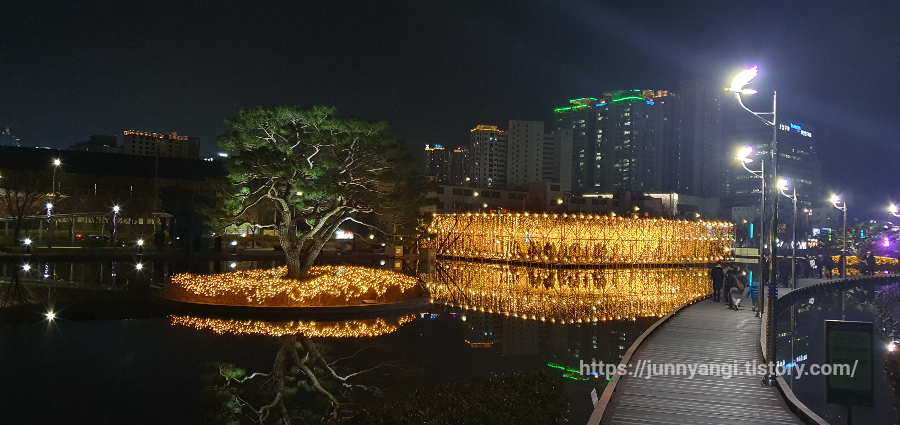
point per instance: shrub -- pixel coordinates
(514, 399)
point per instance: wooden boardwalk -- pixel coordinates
(704, 333)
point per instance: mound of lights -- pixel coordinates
(579, 239)
(343, 329)
(326, 286)
(566, 295)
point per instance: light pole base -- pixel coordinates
(768, 381)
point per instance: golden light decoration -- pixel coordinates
(566, 295)
(853, 260)
(341, 329)
(327, 286)
(579, 239)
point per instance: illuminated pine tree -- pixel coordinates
(316, 172)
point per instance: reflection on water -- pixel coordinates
(801, 341)
(335, 329)
(486, 318)
(565, 295)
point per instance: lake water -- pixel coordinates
(802, 339)
(145, 367)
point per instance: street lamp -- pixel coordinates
(115, 224)
(835, 199)
(737, 87)
(894, 210)
(744, 157)
(782, 185)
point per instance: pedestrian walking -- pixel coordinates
(717, 274)
(736, 289)
(753, 294)
(872, 264)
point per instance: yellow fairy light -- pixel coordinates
(327, 286)
(342, 329)
(566, 295)
(568, 239)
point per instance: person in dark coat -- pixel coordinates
(872, 264)
(717, 274)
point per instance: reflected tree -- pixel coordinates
(303, 386)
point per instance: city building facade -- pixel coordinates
(163, 145)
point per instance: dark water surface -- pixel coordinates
(802, 338)
(147, 370)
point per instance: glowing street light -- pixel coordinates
(115, 223)
(138, 266)
(835, 199)
(26, 267)
(140, 242)
(50, 315)
(737, 87)
(27, 241)
(742, 79)
(894, 210)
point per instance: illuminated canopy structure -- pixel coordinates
(579, 239)
(565, 295)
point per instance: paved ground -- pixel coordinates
(706, 332)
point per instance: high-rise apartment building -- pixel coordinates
(557, 159)
(645, 140)
(164, 145)
(629, 140)
(459, 166)
(487, 152)
(797, 162)
(580, 117)
(699, 139)
(437, 163)
(525, 153)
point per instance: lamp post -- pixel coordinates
(835, 199)
(56, 163)
(737, 87)
(114, 224)
(782, 185)
(744, 158)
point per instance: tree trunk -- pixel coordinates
(17, 231)
(294, 265)
(299, 261)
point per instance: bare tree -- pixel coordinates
(22, 194)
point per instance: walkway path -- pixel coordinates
(710, 333)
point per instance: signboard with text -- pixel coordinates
(849, 346)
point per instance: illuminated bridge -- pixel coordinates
(579, 239)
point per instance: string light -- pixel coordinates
(342, 329)
(579, 239)
(326, 286)
(566, 295)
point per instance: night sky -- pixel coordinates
(433, 70)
